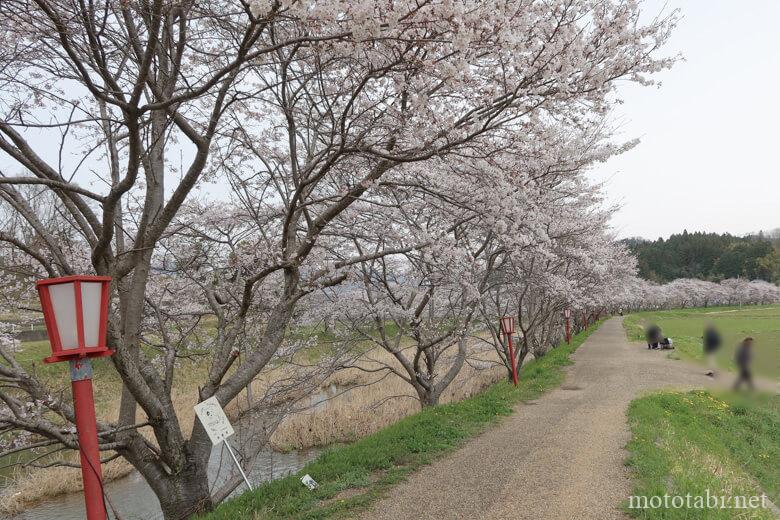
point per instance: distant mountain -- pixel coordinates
(708, 256)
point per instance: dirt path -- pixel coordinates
(560, 457)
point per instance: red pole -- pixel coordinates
(512, 360)
(568, 332)
(86, 425)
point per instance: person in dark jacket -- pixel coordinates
(712, 342)
(653, 335)
(743, 358)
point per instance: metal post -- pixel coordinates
(512, 360)
(86, 426)
(230, 450)
(568, 331)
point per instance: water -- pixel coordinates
(134, 499)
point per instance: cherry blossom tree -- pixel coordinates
(559, 252)
(122, 112)
(685, 292)
(428, 254)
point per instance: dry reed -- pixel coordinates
(350, 404)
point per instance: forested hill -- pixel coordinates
(708, 256)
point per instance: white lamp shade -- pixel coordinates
(63, 297)
(75, 309)
(63, 301)
(90, 311)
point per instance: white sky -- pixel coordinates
(708, 157)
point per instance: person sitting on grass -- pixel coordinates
(743, 358)
(653, 335)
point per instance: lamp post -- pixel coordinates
(567, 315)
(75, 309)
(508, 328)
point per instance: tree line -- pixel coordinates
(708, 256)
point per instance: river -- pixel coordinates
(134, 499)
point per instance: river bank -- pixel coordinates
(353, 476)
(349, 405)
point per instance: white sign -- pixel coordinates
(214, 420)
(567, 313)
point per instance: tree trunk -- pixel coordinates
(187, 494)
(428, 398)
(182, 492)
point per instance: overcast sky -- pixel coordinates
(708, 157)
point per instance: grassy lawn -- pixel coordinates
(688, 443)
(353, 476)
(685, 327)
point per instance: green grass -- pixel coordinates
(351, 477)
(685, 327)
(688, 443)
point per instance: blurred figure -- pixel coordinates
(653, 335)
(743, 358)
(667, 344)
(712, 343)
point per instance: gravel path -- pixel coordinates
(560, 457)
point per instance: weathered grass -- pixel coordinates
(360, 403)
(33, 486)
(372, 402)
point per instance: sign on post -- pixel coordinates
(214, 420)
(218, 428)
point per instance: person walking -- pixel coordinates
(743, 358)
(712, 343)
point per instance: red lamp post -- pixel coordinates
(508, 328)
(567, 315)
(75, 309)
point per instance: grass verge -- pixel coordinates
(351, 477)
(686, 326)
(696, 443)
